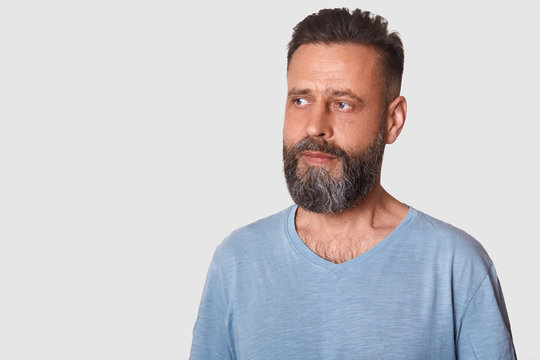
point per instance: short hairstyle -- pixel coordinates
(340, 26)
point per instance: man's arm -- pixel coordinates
(484, 331)
(210, 338)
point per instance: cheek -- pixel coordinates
(292, 132)
(358, 135)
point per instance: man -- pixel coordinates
(349, 272)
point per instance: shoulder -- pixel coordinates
(449, 239)
(255, 239)
(453, 252)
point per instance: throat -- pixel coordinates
(341, 237)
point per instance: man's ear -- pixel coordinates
(396, 112)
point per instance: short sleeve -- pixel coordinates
(484, 332)
(210, 339)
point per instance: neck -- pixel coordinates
(353, 231)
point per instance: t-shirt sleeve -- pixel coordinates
(210, 339)
(484, 331)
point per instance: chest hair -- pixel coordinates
(341, 249)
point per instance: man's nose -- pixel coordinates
(319, 122)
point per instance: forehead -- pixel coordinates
(334, 65)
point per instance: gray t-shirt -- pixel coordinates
(426, 291)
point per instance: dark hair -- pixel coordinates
(330, 26)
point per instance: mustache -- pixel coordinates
(319, 145)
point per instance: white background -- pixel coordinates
(136, 135)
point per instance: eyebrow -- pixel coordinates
(344, 93)
(330, 92)
(299, 92)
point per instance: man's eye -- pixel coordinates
(343, 105)
(300, 102)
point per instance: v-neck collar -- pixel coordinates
(316, 260)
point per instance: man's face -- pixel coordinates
(333, 133)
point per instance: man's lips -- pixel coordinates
(316, 157)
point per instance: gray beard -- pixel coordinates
(316, 190)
